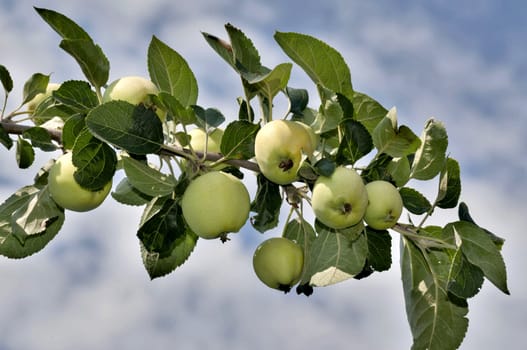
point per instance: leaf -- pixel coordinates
(465, 279)
(437, 321)
(4, 138)
(464, 215)
(25, 155)
(429, 159)
(379, 249)
(322, 63)
(40, 138)
(73, 127)
(91, 59)
(367, 110)
(238, 140)
(5, 78)
(414, 201)
(64, 26)
(396, 142)
(11, 246)
(298, 99)
(95, 161)
(171, 73)
(35, 85)
(135, 129)
(126, 194)
(480, 251)
(356, 142)
(181, 114)
(266, 205)
(160, 232)
(271, 83)
(399, 170)
(77, 95)
(245, 56)
(335, 258)
(147, 179)
(210, 117)
(330, 113)
(449, 185)
(222, 48)
(301, 232)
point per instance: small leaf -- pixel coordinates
(379, 249)
(464, 215)
(91, 59)
(135, 129)
(480, 251)
(171, 73)
(223, 48)
(465, 279)
(266, 205)
(449, 185)
(210, 117)
(325, 167)
(4, 138)
(298, 99)
(300, 231)
(367, 111)
(126, 194)
(147, 179)
(392, 141)
(322, 63)
(77, 95)
(35, 85)
(181, 114)
(64, 26)
(399, 170)
(73, 127)
(429, 159)
(414, 201)
(238, 140)
(356, 142)
(245, 56)
(271, 83)
(40, 138)
(5, 78)
(95, 161)
(330, 113)
(25, 155)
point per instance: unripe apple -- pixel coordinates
(279, 147)
(385, 205)
(33, 104)
(199, 139)
(215, 204)
(134, 90)
(340, 200)
(65, 190)
(278, 263)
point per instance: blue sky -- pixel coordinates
(462, 62)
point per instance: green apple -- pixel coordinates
(65, 190)
(199, 140)
(278, 263)
(215, 204)
(279, 148)
(134, 90)
(340, 200)
(385, 205)
(33, 104)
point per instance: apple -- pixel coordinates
(385, 205)
(65, 190)
(340, 200)
(199, 139)
(279, 147)
(134, 90)
(278, 262)
(33, 104)
(215, 204)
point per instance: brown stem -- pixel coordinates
(18, 129)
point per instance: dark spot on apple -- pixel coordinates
(286, 164)
(346, 208)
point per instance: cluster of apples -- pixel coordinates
(217, 203)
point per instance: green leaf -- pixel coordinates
(20, 201)
(301, 232)
(399, 170)
(266, 205)
(437, 321)
(480, 250)
(356, 142)
(429, 159)
(414, 201)
(147, 179)
(127, 194)
(95, 161)
(49, 109)
(64, 26)
(171, 73)
(464, 215)
(367, 110)
(330, 113)
(378, 168)
(210, 117)
(379, 249)
(4, 138)
(271, 83)
(25, 155)
(163, 227)
(5, 78)
(91, 59)
(449, 185)
(77, 95)
(298, 100)
(181, 114)
(73, 127)
(222, 48)
(135, 129)
(335, 258)
(322, 63)
(396, 142)
(35, 85)
(40, 138)
(245, 56)
(238, 140)
(465, 279)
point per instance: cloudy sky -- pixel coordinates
(463, 62)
